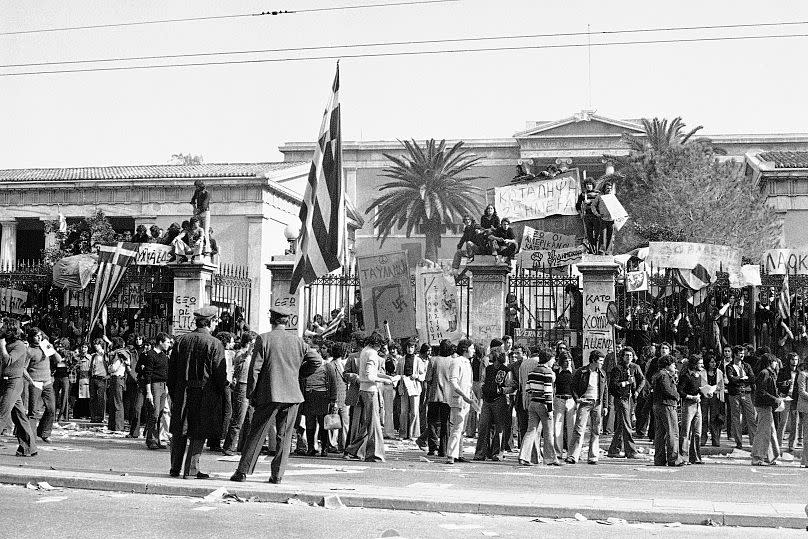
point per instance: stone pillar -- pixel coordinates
(8, 244)
(598, 274)
(192, 290)
(257, 255)
(489, 286)
(280, 271)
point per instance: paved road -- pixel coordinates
(83, 513)
(721, 479)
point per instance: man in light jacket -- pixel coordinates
(461, 399)
(412, 370)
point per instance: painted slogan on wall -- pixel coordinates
(437, 310)
(597, 331)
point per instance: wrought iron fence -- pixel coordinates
(664, 310)
(231, 293)
(544, 307)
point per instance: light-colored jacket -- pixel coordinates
(802, 392)
(719, 382)
(462, 376)
(410, 386)
(440, 390)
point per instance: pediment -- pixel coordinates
(583, 124)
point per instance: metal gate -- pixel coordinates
(544, 307)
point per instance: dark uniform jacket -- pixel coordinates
(280, 360)
(197, 376)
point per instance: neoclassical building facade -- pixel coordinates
(251, 205)
(580, 140)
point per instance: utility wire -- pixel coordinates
(588, 34)
(407, 53)
(220, 17)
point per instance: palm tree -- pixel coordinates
(659, 135)
(426, 190)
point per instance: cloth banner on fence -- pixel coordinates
(537, 200)
(534, 240)
(437, 309)
(616, 210)
(636, 281)
(550, 258)
(685, 255)
(750, 276)
(112, 263)
(75, 272)
(782, 261)
(387, 293)
(153, 254)
(13, 301)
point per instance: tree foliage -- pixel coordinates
(683, 192)
(186, 159)
(428, 189)
(80, 237)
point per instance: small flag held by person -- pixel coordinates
(322, 215)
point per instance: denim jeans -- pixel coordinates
(115, 386)
(154, 412)
(537, 414)
(666, 436)
(742, 402)
(588, 412)
(564, 422)
(690, 431)
(490, 428)
(62, 386)
(98, 399)
(11, 405)
(41, 409)
(765, 447)
(238, 398)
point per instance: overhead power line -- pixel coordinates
(220, 17)
(408, 53)
(401, 43)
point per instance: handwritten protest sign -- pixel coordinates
(153, 254)
(533, 240)
(616, 210)
(551, 258)
(684, 255)
(13, 301)
(536, 200)
(437, 311)
(782, 261)
(598, 334)
(281, 298)
(387, 293)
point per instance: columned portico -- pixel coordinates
(8, 243)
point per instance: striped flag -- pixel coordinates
(322, 215)
(783, 310)
(112, 263)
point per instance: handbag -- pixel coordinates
(332, 421)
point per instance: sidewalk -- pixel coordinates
(431, 498)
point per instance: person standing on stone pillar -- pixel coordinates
(201, 204)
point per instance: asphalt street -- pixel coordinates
(721, 479)
(82, 513)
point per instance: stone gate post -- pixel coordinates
(280, 277)
(192, 290)
(597, 273)
(489, 286)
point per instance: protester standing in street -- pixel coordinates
(196, 378)
(41, 397)
(438, 411)
(154, 373)
(766, 446)
(666, 429)
(368, 443)
(460, 401)
(740, 384)
(625, 383)
(280, 360)
(98, 381)
(242, 360)
(14, 363)
(118, 362)
(589, 389)
(689, 387)
(412, 371)
(538, 390)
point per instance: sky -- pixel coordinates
(242, 113)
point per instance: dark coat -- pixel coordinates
(765, 393)
(197, 376)
(580, 383)
(664, 389)
(280, 360)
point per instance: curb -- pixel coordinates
(265, 492)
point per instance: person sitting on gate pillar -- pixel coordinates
(503, 240)
(472, 242)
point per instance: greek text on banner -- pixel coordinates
(685, 255)
(537, 200)
(551, 258)
(782, 261)
(533, 240)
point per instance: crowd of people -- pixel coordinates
(244, 393)
(117, 380)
